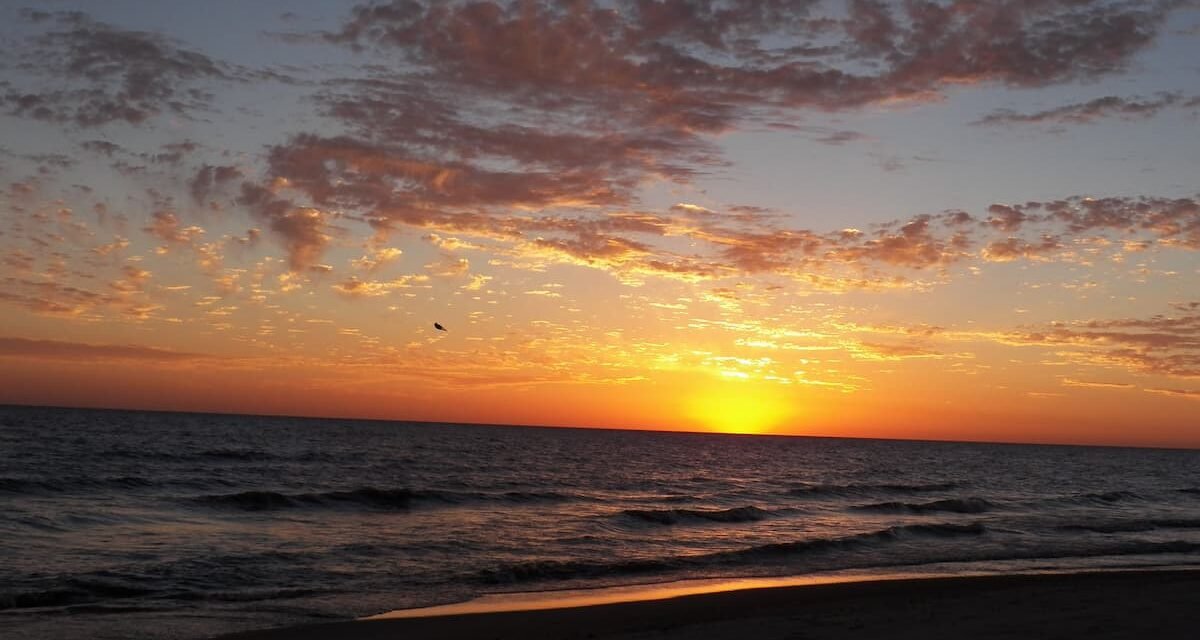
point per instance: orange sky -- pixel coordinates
(691, 230)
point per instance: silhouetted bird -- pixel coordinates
(438, 327)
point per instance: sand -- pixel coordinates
(1141, 604)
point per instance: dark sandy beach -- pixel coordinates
(1141, 604)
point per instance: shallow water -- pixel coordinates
(190, 525)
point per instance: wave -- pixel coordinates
(248, 455)
(232, 454)
(251, 595)
(942, 530)
(858, 489)
(63, 485)
(71, 592)
(675, 516)
(954, 505)
(400, 499)
(19, 485)
(761, 557)
(576, 569)
(1106, 497)
(536, 570)
(80, 593)
(1134, 526)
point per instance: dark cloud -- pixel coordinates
(485, 108)
(1092, 110)
(1005, 218)
(838, 138)
(664, 54)
(1162, 344)
(89, 74)
(1010, 249)
(304, 231)
(172, 152)
(51, 297)
(103, 147)
(759, 251)
(915, 244)
(1173, 221)
(209, 178)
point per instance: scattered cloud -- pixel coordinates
(355, 288)
(105, 74)
(600, 99)
(1093, 110)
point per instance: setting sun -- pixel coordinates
(739, 407)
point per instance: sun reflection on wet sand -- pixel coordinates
(540, 600)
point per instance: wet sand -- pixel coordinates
(1141, 604)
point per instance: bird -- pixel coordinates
(438, 326)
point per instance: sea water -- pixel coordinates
(117, 524)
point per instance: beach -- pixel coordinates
(1093, 605)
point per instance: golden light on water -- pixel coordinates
(740, 407)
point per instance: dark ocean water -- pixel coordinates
(155, 525)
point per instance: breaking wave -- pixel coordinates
(861, 489)
(676, 516)
(398, 499)
(955, 505)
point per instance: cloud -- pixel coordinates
(356, 288)
(103, 74)
(662, 57)
(1161, 344)
(1191, 394)
(18, 260)
(377, 259)
(304, 231)
(1093, 110)
(208, 178)
(498, 117)
(166, 226)
(133, 280)
(1011, 249)
(1071, 382)
(583, 103)
(48, 296)
(1005, 218)
(1176, 221)
(915, 244)
(877, 351)
(541, 149)
(103, 147)
(79, 351)
(449, 267)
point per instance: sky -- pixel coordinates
(923, 219)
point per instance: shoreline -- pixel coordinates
(1160, 603)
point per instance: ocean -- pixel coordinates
(121, 524)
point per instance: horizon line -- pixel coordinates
(5, 405)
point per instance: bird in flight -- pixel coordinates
(438, 326)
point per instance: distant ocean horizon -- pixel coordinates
(597, 427)
(118, 523)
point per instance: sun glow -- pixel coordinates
(739, 408)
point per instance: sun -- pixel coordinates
(738, 407)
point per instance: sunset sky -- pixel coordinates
(951, 220)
